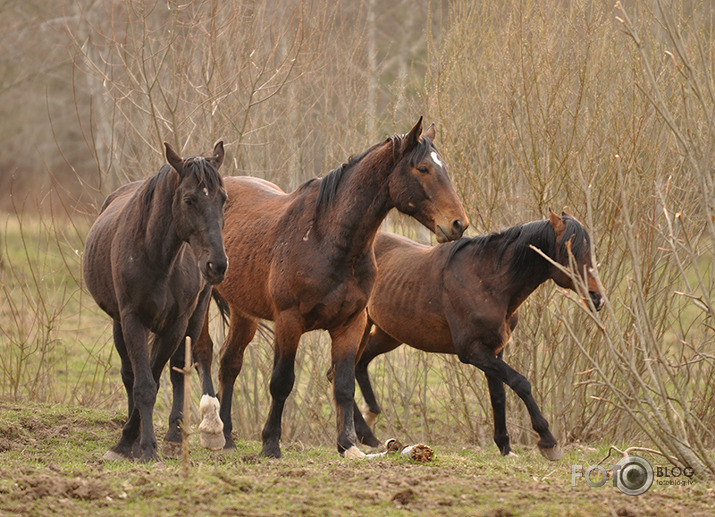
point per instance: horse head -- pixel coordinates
(197, 209)
(573, 239)
(419, 185)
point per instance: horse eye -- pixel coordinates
(423, 169)
(189, 200)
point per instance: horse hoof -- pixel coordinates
(213, 441)
(271, 451)
(369, 417)
(353, 453)
(211, 427)
(553, 454)
(370, 441)
(111, 455)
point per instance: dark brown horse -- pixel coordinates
(149, 261)
(305, 260)
(462, 298)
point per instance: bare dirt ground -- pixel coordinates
(50, 463)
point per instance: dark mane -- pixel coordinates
(152, 183)
(330, 182)
(203, 172)
(525, 262)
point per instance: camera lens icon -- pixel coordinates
(634, 475)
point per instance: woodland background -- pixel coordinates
(607, 109)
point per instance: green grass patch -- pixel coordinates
(50, 462)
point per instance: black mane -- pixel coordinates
(330, 182)
(204, 173)
(525, 262)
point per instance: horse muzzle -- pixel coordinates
(215, 270)
(597, 300)
(451, 231)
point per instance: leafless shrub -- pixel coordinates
(537, 104)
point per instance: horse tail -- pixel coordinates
(222, 305)
(265, 330)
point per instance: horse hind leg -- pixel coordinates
(378, 343)
(211, 428)
(240, 333)
(128, 381)
(126, 370)
(196, 327)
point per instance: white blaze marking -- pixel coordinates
(435, 159)
(206, 191)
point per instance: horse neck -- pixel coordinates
(352, 218)
(530, 270)
(156, 227)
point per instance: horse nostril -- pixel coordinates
(597, 300)
(457, 226)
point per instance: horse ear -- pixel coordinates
(566, 212)
(174, 159)
(217, 158)
(431, 132)
(557, 223)
(413, 137)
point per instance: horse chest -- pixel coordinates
(170, 300)
(335, 303)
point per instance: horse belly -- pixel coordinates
(406, 302)
(425, 331)
(97, 260)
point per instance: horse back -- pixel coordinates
(254, 212)
(97, 259)
(477, 300)
(123, 193)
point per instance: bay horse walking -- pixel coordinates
(305, 260)
(150, 260)
(463, 298)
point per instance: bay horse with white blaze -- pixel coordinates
(463, 298)
(305, 260)
(150, 260)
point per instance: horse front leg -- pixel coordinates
(378, 343)
(144, 388)
(493, 366)
(127, 380)
(346, 341)
(498, 399)
(288, 330)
